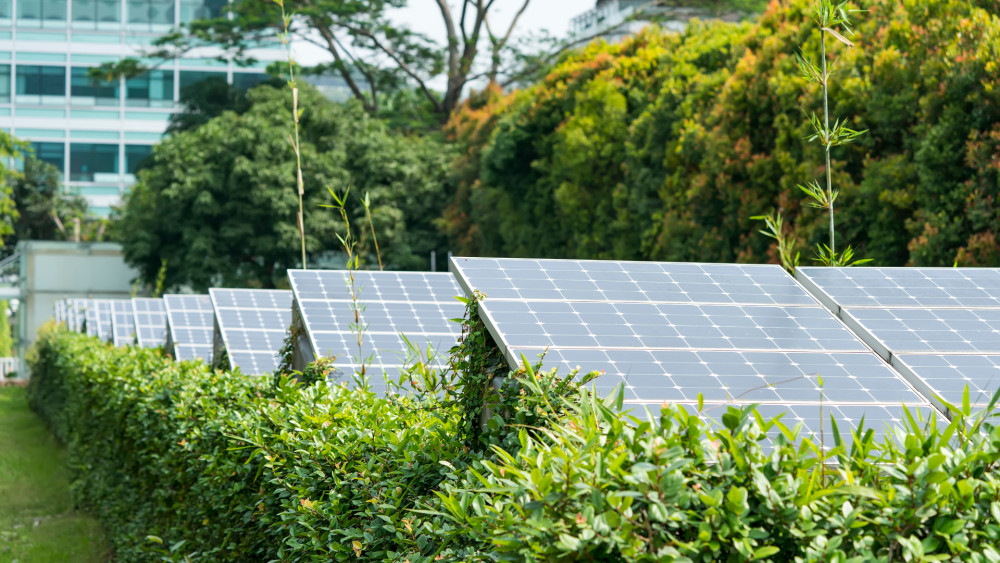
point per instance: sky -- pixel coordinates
(424, 16)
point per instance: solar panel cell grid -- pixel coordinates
(907, 287)
(150, 321)
(123, 322)
(567, 280)
(628, 325)
(191, 321)
(775, 377)
(253, 324)
(946, 376)
(418, 305)
(932, 330)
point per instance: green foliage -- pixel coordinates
(219, 203)
(44, 211)
(6, 338)
(249, 469)
(183, 462)
(663, 146)
(208, 99)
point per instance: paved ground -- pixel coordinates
(37, 520)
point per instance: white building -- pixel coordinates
(614, 20)
(97, 134)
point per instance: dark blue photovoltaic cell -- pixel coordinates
(907, 287)
(932, 330)
(150, 321)
(104, 320)
(643, 325)
(191, 323)
(122, 322)
(656, 282)
(947, 376)
(766, 377)
(253, 323)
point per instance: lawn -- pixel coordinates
(37, 520)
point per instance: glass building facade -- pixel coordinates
(96, 132)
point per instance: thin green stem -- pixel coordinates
(826, 126)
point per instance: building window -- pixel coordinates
(86, 91)
(244, 81)
(44, 85)
(5, 84)
(53, 153)
(134, 156)
(150, 15)
(97, 14)
(92, 162)
(201, 9)
(191, 77)
(41, 13)
(153, 89)
(6, 13)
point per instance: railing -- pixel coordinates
(7, 365)
(10, 267)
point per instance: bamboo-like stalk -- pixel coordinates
(826, 126)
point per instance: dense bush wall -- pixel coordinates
(663, 147)
(224, 467)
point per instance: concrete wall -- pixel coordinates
(51, 271)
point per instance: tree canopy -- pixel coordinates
(218, 202)
(664, 146)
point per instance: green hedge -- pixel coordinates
(224, 467)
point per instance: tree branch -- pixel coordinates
(402, 65)
(449, 25)
(331, 43)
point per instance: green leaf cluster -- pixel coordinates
(219, 202)
(183, 463)
(663, 147)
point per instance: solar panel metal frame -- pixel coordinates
(511, 353)
(903, 361)
(122, 317)
(307, 347)
(647, 273)
(178, 304)
(141, 306)
(222, 334)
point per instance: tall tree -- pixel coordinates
(372, 54)
(215, 204)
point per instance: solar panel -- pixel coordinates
(417, 305)
(720, 342)
(150, 319)
(962, 288)
(643, 282)
(190, 320)
(78, 314)
(60, 311)
(939, 327)
(101, 324)
(900, 331)
(122, 322)
(252, 325)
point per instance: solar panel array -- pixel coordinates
(190, 321)
(99, 319)
(734, 333)
(252, 325)
(417, 305)
(122, 322)
(939, 327)
(150, 321)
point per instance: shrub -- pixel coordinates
(663, 146)
(223, 467)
